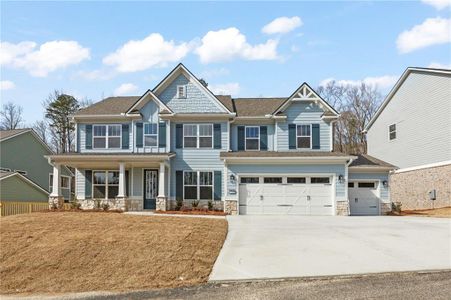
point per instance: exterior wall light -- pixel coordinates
(385, 183)
(341, 178)
(232, 178)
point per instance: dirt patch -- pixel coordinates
(74, 252)
(443, 212)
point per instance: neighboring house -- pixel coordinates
(22, 151)
(17, 187)
(412, 130)
(180, 142)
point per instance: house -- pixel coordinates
(180, 142)
(25, 171)
(412, 130)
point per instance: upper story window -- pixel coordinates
(150, 134)
(252, 138)
(107, 136)
(303, 137)
(198, 135)
(181, 91)
(392, 131)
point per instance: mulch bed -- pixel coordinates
(193, 212)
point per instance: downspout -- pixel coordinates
(346, 186)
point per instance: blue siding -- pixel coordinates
(303, 113)
(385, 192)
(234, 135)
(197, 101)
(288, 169)
(149, 114)
(81, 143)
(197, 159)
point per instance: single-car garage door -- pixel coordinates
(298, 195)
(363, 198)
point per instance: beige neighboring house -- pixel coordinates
(412, 130)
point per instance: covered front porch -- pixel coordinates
(125, 182)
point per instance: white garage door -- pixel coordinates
(297, 195)
(363, 198)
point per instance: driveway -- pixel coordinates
(260, 247)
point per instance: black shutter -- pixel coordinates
(240, 138)
(315, 136)
(263, 138)
(125, 136)
(218, 185)
(127, 185)
(291, 136)
(88, 136)
(217, 136)
(178, 135)
(162, 134)
(88, 184)
(139, 135)
(179, 185)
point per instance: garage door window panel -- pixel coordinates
(304, 136)
(248, 180)
(272, 180)
(298, 180)
(320, 180)
(252, 138)
(367, 185)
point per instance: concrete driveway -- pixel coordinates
(260, 247)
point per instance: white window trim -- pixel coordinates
(106, 183)
(61, 182)
(389, 132)
(107, 136)
(197, 136)
(252, 138)
(198, 185)
(298, 136)
(184, 91)
(144, 134)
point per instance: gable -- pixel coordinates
(17, 188)
(150, 111)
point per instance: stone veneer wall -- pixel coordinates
(231, 207)
(342, 208)
(412, 188)
(114, 204)
(217, 205)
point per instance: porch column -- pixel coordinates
(55, 198)
(161, 198)
(121, 192)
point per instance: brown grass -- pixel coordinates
(443, 212)
(73, 252)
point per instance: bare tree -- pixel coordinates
(43, 130)
(356, 105)
(11, 116)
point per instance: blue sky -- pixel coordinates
(100, 49)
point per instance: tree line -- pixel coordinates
(356, 105)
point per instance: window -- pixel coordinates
(318, 180)
(392, 131)
(150, 134)
(350, 184)
(198, 185)
(252, 138)
(369, 185)
(65, 182)
(303, 136)
(181, 91)
(105, 184)
(107, 136)
(249, 180)
(296, 180)
(272, 180)
(198, 135)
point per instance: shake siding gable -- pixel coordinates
(196, 100)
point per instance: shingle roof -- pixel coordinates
(365, 160)
(255, 107)
(4, 134)
(109, 106)
(251, 154)
(226, 100)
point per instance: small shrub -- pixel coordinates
(178, 203)
(105, 206)
(396, 207)
(195, 203)
(74, 204)
(97, 204)
(210, 205)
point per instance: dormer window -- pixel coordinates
(181, 91)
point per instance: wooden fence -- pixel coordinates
(8, 208)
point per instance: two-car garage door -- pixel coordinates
(299, 195)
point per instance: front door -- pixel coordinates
(150, 188)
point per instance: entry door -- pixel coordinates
(150, 188)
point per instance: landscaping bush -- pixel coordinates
(195, 203)
(74, 204)
(178, 203)
(396, 207)
(210, 205)
(105, 206)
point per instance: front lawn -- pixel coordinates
(75, 252)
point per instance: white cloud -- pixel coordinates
(438, 4)
(153, 51)
(96, 74)
(7, 85)
(226, 44)
(232, 88)
(50, 56)
(382, 82)
(282, 25)
(432, 31)
(211, 73)
(125, 89)
(439, 65)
